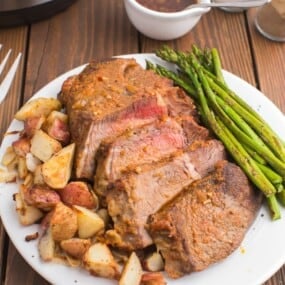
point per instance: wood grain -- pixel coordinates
(269, 62)
(57, 45)
(221, 30)
(93, 30)
(14, 38)
(60, 44)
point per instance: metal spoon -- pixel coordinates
(237, 4)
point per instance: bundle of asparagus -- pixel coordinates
(254, 146)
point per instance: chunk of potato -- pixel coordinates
(153, 278)
(32, 162)
(41, 196)
(8, 156)
(59, 130)
(7, 176)
(28, 215)
(38, 175)
(47, 246)
(43, 146)
(75, 247)
(56, 115)
(21, 146)
(38, 107)
(63, 222)
(22, 167)
(32, 124)
(57, 170)
(79, 193)
(153, 262)
(89, 223)
(99, 261)
(132, 272)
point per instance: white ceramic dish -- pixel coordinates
(163, 26)
(260, 255)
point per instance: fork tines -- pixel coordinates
(7, 81)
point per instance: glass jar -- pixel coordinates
(270, 20)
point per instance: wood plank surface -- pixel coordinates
(269, 62)
(13, 38)
(221, 30)
(75, 37)
(55, 46)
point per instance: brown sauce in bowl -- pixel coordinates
(166, 5)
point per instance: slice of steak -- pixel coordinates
(139, 113)
(141, 192)
(206, 222)
(103, 94)
(144, 145)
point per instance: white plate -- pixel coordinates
(260, 255)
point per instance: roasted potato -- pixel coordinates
(21, 146)
(153, 262)
(22, 167)
(41, 197)
(38, 175)
(75, 247)
(28, 215)
(57, 170)
(79, 193)
(153, 278)
(89, 223)
(47, 245)
(32, 162)
(38, 107)
(32, 124)
(99, 261)
(56, 126)
(43, 146)
(7, 176)
(63, 222)
(132, 272)
(8, 156)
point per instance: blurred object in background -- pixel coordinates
(18, 12)
(270, 20)
(231, 9)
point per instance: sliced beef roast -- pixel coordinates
(206, 221)
(141, 192)
(143, 145)
(111, 97)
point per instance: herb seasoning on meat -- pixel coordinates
(166, 5)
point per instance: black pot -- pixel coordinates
(19, 12)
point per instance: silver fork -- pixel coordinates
(8, 79)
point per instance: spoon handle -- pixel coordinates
(237, 4)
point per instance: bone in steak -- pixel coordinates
(206, 222)
(141, 192)
(110, 97)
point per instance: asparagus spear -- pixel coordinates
(232, 144)
(252, 118)
(256, 144)
(262, 176)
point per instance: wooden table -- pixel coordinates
(99, 29)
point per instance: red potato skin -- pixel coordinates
(41, 196)
(31, 125)
(59, 130)
(152, 278)
(78, 193)
(21, 146)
